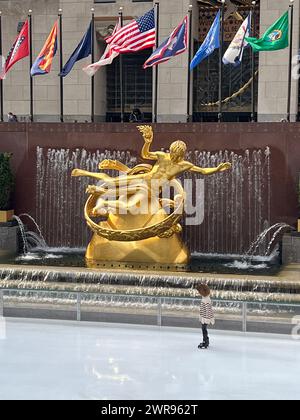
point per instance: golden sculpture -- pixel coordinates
(138, 227)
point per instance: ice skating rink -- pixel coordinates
(59, 360)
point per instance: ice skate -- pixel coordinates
(204, 345)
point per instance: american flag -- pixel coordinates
(135, 36)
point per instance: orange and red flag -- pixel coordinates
(43, 63)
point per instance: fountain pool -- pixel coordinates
(199, 263)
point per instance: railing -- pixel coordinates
(159, 304)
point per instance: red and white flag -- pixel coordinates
(107, 58)
(137, 35)
(19, 50)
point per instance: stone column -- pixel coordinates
(273, 67)
(173, 75)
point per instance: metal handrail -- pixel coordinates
(159, 299)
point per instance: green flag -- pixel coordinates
(275, 38)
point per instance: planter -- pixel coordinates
(6, 215)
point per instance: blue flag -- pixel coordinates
(176, 44)
(83, 50)
(211, 42)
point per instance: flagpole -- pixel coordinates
(220, 115)
(156, 67)
(93, 60)
(30, 64)
(61, 67)
(1, 81)
(253, 22)
(189, 61)
(121, 71)
(290, 63)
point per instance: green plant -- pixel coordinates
(6, 181)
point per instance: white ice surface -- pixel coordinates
(58, 360)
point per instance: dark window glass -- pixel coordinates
(137, 86)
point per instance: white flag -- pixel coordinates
(106, 59)
(234, 54)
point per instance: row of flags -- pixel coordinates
(140, 34)
(275, 38)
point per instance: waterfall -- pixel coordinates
(237, 203)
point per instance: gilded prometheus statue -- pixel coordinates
(138, 227)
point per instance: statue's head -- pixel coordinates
(177, 151)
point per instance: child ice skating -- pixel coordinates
(206, 314)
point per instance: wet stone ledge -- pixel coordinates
(291, 249)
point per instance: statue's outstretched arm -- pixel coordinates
(210, 171)
(118, 166)
(109, 164)
(147, 132)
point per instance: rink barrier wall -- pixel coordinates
(261, 324)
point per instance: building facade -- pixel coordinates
(270, 89)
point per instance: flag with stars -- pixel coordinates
(137, 35)
(176, 44)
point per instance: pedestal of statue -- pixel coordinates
(153, 250)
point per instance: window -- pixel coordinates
(137, 86)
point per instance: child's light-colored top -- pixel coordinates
(206, 311)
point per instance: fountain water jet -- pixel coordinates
(23, 234)
(278, 227)
(30, 240)
(42, 239)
